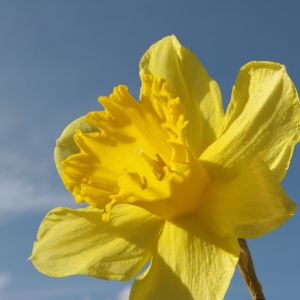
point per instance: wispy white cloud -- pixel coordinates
(5, 279)
(124, 294)
(21, 194)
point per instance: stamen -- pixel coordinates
(156, 165)
(160, 161)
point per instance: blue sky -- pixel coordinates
(57, 57)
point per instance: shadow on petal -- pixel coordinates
(159, 282)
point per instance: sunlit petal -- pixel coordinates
(189, 81)
(248, 206)
(187, 265)
(78, 242)
(263, 116)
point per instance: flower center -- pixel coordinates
(165, 193)
(138, 157)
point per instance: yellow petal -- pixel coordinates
(189, 81)
(79, 242)
(186, 265)
(65, 144)
(248, 206)
(263, 116)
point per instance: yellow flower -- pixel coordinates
(171, 179)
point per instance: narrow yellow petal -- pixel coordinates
(189, 81)
(263, 116)
(78, 242)
(248, 206)
(187, 265)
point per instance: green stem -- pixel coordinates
(246, 267)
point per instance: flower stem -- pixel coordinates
(246, 268)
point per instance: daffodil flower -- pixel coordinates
(172, 179)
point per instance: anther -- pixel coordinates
(160, 161)
(156, 165)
